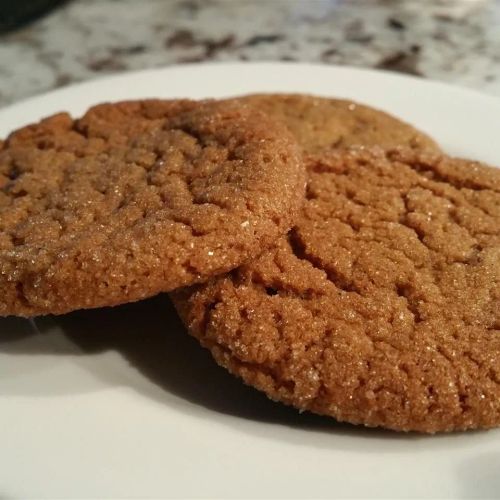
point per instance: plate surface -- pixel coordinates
(122, 403)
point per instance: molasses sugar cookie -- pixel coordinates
(382, 306)
(137, 198)
(321, 123)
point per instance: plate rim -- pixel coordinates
(224, 65)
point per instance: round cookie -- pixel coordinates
(323, 123)
(137, 198)
(381, 307)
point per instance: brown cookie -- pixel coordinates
(381, 307)
(137, 198)
(322, 123)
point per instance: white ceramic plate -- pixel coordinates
(122, 403)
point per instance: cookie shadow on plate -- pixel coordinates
(151, 338)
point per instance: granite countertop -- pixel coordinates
(454, 41)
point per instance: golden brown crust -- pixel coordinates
(137, 198)
(382, 306)
(320, 123)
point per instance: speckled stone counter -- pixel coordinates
(453, 41)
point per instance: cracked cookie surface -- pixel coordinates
(381, 307)
(320, 123)
(136, 198)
